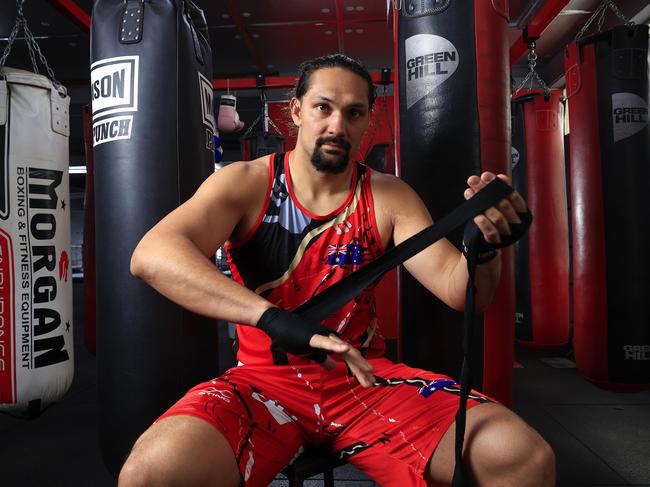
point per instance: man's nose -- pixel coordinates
(336, 125)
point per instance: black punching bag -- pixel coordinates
(453, 90)
(607, 88)
(153, 126)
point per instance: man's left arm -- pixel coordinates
(442, 268)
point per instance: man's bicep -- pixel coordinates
(209, 216)
(433, 265)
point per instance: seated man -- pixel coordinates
(294, 224)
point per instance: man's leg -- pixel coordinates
(499, 449)
(181, 450)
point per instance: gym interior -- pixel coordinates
(553, 93)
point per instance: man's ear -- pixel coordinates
(294, 106)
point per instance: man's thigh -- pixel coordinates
(390, 431)
(262, 433)
(167, 454)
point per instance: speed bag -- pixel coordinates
(36, 339)
(542, 255)
(607, 89)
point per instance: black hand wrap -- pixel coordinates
(291, 333)
(517, 230)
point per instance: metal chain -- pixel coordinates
(600, 14)
(532, 73)
(12, 38)
(32, 46)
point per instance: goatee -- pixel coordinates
(331, 163)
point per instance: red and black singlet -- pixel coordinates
(292, 254)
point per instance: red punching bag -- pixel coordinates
(542, 256)
(607, 88)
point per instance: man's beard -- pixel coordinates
(331, 163)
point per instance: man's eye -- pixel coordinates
(322, 107)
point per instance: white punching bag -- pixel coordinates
(36, 346)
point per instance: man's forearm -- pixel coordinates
(486, 278)
(178, 270)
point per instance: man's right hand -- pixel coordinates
(295, 335)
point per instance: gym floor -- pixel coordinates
(600, 438)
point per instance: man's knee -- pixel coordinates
(541, 463)
(145, 466)
(506, 447)
(180, 451)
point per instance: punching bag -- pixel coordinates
(607, 88)
(153, 136)
(453, 88)
(542, 256)
(88, 247)
(36, 339)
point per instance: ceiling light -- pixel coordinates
(325, 10)
(237, 36)
(359, 31)
(348, 31)
(574, 12)
(360, 8)
(255, 36)
(45, 23)
(225, 16)
(245, 14)
(328, 32)
(350, 8)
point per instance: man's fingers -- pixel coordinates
(518, 203)
(499, 220)
(360, 367)
(487, 228)
(330, 343)
(505, 207)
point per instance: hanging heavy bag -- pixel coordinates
(608, 95)
(153, 144)
(36, 341)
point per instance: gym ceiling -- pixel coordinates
(272, 37)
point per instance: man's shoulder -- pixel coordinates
(389, 185)
(238, 181)
(240, 175)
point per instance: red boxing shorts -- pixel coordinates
(268, 413)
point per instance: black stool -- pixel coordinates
(314, 460)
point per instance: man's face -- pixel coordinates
(332, 117)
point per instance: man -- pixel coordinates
(294, 224)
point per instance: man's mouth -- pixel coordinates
(334, 144)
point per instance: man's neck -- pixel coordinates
(320, 192)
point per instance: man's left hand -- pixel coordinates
(495, 221)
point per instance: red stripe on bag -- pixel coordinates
(7, 325)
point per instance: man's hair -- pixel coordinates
(333, 61)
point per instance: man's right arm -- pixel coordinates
(174, 257)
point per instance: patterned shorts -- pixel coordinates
(268, 413)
